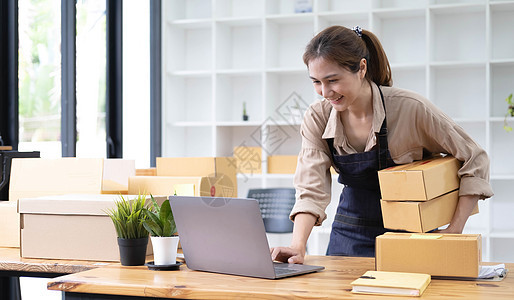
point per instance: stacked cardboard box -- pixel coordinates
(420, 196)
(450, 255)
(208, 176)
(71, 226)
(248, 159)
(35, 177)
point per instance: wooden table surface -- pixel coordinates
(331, 283)
(10, 260)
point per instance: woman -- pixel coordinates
(362, 125)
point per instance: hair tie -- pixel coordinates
(358, 30)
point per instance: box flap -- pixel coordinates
(185, 166)
(116, 173)
(162, 185)
(34, 177)
(71, 204)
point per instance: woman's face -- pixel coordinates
(336, 84)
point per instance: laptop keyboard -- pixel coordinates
(282, 269)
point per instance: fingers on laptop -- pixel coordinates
(286, 254)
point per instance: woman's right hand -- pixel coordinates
(288, 255)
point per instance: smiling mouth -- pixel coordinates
(334, 100)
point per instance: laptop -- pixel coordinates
(227, 235)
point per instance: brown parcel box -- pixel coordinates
(430, 253)
(420, 216)
(420, 180)
(222, 168)
(282, 164)
(167, 185)
(248, 159)
(70, 227)
(9, 224)
(36, 177)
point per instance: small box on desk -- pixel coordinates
(35, 177)
(168, 185)
(420, 180)
(420, 216)
(9, 224)
(453, 255)
(282, 164)
(70, 227)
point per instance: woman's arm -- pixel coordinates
(462, 213)
(295, 254)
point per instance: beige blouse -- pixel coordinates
(413, 124)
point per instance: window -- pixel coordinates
(39, 63)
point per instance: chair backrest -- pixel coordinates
(275, 205)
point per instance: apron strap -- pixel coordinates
(382, 145)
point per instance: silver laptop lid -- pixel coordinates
(223, 235)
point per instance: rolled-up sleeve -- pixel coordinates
(312, 179)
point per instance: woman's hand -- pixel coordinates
(464, 208)
(288, 255)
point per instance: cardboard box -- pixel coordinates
(430, 253)
(220, 170)
(419, 216)
(146, 172)
(73, 226)
(9, 224)
(168, 185)
(282, 164)
(35, 177)
(421, 180)
(248, 159)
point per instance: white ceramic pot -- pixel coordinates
(164, 250)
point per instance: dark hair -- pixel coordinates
(344, 47)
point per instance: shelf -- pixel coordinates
(460, 91)
(502, 47)
(407, 47)
(232, 92)
(242, 9)
(502, 234)
(239, 124)
(344, 19)
(468, 25)
(346, 6)
(502, 85)
(194, 50)
(195, 94)
(187, 9)
(456, 7)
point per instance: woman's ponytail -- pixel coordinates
(347, 47)
(379, 70)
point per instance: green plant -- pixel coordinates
(160, 221)
(510, 112)
(128, 217)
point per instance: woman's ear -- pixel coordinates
(363, 68)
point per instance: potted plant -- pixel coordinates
(128, 217)
(510, 113)
(161, 226)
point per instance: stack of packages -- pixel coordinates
(420, 197)
(62, 204)
(189, 176)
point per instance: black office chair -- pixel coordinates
(275, 205)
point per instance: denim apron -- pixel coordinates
(358, 220)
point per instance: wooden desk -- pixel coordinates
(12, 266)
(332, 283)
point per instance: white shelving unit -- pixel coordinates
(221, 53)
